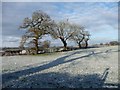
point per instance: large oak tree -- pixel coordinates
(36, 26)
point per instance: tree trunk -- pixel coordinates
(36, 46)
(64, 43)
(79, 44)
(81, 41)
(86, 44)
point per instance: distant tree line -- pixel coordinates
(41, 24)
(114, 43)
(111, 43)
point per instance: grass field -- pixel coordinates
(94, 67)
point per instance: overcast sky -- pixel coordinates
(100, 19)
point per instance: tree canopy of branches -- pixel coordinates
(86, 38)
(35, 27)
(63, 30)
(80, 36)
(40, 24)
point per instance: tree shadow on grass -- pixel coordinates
(60, 80)
(6, 77)
(14, 75)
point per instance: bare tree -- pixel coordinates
(63, 30)
(86, 38)
(35, 28)
(79, 35)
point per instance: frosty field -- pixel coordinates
(94, 67)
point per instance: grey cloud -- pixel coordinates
(11, 38)
(10, 41)
(91, 15)
(96, 17)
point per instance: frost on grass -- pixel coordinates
(87, 68)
